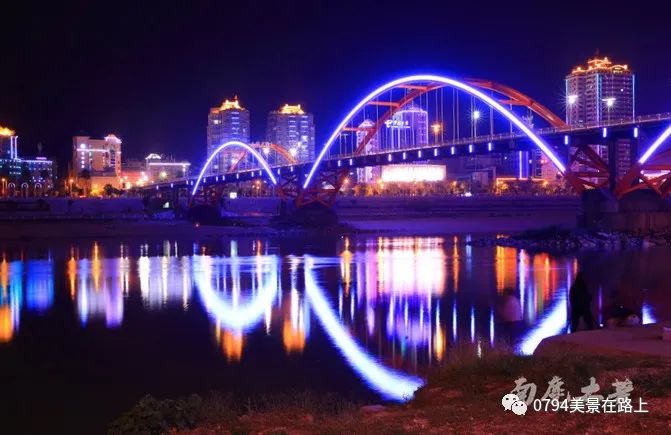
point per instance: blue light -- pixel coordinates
(389, 157)
(490, 146)
(435, 152)
(292, 169)
(566, 139)
(237, 144)
(240, 317)
(403, 155)
(452, 150)
(339, 163)
(390, 383)
(604, 132)
(447, 82)
(419, 154)
(470, 148)
(636, 132)
(351, 162)
(216, 178)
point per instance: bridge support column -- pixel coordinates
(622, 154)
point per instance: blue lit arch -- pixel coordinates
(235, 144)
(447, 82)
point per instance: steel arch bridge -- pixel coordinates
(365, 131)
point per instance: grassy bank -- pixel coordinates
(463, 395)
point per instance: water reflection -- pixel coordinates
(390, 306)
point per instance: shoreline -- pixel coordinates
(463, 395)
(559, 240)
(456, 223)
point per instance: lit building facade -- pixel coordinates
(97, 156)
(8, 143)
(160, 168)
(368, 174)
(22, 176)
(408, 127)
(600, 92)
(293, 129)
(225, 123)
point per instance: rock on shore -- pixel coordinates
(562, 240)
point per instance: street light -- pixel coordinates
(475, 116)
(571, 99)
(610, 102)
(436, 128)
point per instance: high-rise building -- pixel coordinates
(599, 92)
(97, 156)
(225, 123)
(368, 174)
(8, 145)
(293, 129)
(20, 176)
(408, 127)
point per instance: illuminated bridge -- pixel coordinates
(421, 118)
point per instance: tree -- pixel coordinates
(85, 175)
(109, 190)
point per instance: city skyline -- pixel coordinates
(162, 108)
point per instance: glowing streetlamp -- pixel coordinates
(436, 128)
(475, 116)
(610, 102)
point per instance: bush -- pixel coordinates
(151, 416)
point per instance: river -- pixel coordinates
(89, 327)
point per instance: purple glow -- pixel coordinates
(445, 81)
(656, 144)
(234, 143)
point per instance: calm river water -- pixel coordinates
(88, 328)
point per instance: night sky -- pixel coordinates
(150, 71)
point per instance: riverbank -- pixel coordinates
(255, 226)
(557, 239)
(462, 396)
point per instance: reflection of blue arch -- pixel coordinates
(390, 383)
(552, 323)
(242, 317)
(447, 82)
(656, 144)
(237, 144)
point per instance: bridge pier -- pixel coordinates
(642, 210)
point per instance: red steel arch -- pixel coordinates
(326, 188)
(517, 98)
(286, 155)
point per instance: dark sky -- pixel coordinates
(149, 71)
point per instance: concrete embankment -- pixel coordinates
(634, 340)
(397, 215)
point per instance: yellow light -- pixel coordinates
(4, 131)
(437, 127)
(291, 110)
(230, 105)
(163, 175)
